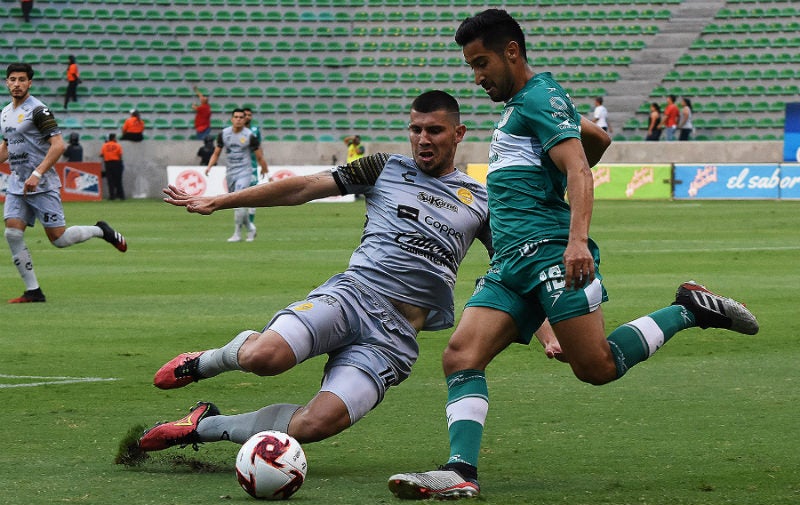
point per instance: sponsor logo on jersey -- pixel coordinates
(406, 212)
(417, 243)
(443, 228)
(436, 201)
(303, 307)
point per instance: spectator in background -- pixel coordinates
(202, 115)
(354, 148)
(111, 152)
(670, 118)
(133, 127)
(73, 79)
(601, 115)
(654, 127)
(74, 150)
(27, 7)
(206, 150)
(685, 125)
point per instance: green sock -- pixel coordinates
(467, 406)
(636, 341)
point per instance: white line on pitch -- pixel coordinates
(49, 380)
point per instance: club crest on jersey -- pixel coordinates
(506, 114)
(465, 196)
(303, 307)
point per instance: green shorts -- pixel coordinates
(530, 287)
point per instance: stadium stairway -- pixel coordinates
(650, 65)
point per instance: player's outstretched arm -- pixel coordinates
(290, 191)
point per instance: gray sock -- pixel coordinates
(238, 428)
(215, 361)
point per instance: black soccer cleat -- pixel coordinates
(30, 296)
(112, 236)
(714, 311)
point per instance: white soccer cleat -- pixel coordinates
(235, 237)
(714, 311)
(436, 484)
(251, 234)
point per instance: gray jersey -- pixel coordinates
(418, 230)
(26, 131)
(238, 147)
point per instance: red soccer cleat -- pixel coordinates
(182, 432)
(178, 372)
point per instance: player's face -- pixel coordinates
(492, 71)
(434, 137)
(237, 120)
(248, 116)
(18, 84)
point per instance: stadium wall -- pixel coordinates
(146, 162)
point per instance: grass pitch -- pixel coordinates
(710, 419)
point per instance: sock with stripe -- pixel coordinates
(637, 340)
(467, 406)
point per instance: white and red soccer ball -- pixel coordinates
(271, 466)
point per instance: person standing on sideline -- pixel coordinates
(601, 115)
(133, 127)
(654, 126)
(111, 152)
(73, 79)
(670, 118)
(27, 7)
(256, 131)
(545, 265)
(238, 142)
(74, 150)
(685, 123)
(32, 144)
(202, 115)
(206, 150)
(399, 282)
(355, 149)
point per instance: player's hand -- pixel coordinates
(31, 183)
(579, 265)
(197, 204)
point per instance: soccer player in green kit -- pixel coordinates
(545, 264)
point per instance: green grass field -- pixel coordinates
(711, 419)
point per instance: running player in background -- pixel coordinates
(239, 142)
(256, 131)
(545, 264)
(32, 144)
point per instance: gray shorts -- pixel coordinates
(237, 182)
(45, 206)
(356, 327)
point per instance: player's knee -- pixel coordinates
(596, 374)
(310, 426)
(13, 235)
(265, 356)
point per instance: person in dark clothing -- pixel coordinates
(74, 150)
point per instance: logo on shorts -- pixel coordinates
(303, 307)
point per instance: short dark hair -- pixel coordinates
(434, 100)
(495, 28)
(20, 67)
(237, 110)
(112, 136)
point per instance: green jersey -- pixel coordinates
(526, 190)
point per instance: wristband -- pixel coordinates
(37, 174)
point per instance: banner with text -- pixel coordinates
(622, 181)
(80, 181)
(734, 181)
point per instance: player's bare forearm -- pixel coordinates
(285, 192)
(595, 141)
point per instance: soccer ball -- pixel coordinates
(271, 465)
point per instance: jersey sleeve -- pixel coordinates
(220, 140)
(44, 121)
(255, 143)
(360, 173)
(551, 115)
